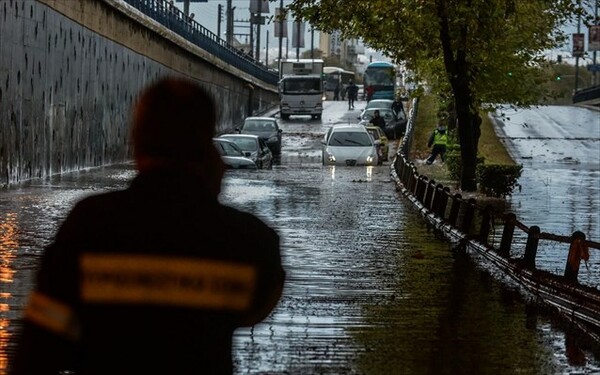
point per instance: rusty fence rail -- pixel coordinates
(480, 223)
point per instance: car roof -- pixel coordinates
(262, 118)
(348, 127)
(380, 101)
(237, 135)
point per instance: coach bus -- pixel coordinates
(380, 80)
(335, 76)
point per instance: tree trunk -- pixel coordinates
(466, 137)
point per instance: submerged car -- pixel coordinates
(395, 125)
(349, 145)
(232, 155)
(266, 128)
(383, 147)
(253, 148)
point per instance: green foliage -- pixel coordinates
(454, 161)
(462, 49)
(498, 180)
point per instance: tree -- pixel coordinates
(470, 52)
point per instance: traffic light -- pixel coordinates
(557, 77)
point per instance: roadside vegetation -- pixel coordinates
(491, 148)
(472, 53)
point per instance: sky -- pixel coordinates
(207, 15)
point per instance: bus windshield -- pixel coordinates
(380, 80)
(380, 77)
(304, 85)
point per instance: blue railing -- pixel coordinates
(172, 18)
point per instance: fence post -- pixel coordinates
(484, 230)
(436, 198)
(429, 191)
(442, 204)
(533, 237)
(468, 218)
(456, 199)
(577, 251)
(421, 186)
(510, 220)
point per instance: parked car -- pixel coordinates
(265, 127)
(349, 145)
(383, 147)
(395, 124)
(254, 148)
(232, 155)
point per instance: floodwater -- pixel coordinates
(369, 289)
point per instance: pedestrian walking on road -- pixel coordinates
(352, 92)
(336, 92)
(438, 140)
(149, 279)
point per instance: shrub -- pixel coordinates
(498, 180)
(454, 161)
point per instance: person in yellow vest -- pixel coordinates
(438, 140)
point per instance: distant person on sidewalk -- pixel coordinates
(150, 279)
(438, 140)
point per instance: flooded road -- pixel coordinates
(369, 289)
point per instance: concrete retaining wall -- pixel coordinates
(70, 72)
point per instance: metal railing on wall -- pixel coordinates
(175, 20)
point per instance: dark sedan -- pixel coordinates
(266, 128)
(232, 155)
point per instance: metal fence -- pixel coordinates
(493, 235)
(175, 20)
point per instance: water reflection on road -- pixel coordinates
(370, 289)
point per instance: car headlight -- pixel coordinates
(370, 159)
(330, 157)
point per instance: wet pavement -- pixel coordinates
(369, 289)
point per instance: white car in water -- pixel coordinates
(349, 145)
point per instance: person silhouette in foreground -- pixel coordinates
(438, 141)
(155, 278)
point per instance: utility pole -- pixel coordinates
(312, 42)
(298, 28)
(258, 22)
(186, 7)
(281, 13)
(219, 19)
(267, 51)
(596, 22)
(577, 57)
(229, 26)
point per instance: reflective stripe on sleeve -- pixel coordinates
(51, 314)
(169, 281)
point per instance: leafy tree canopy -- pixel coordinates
(502, 40)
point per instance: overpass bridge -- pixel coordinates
(588, 96)
(71, 70)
